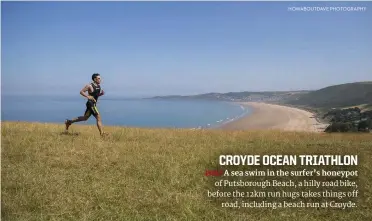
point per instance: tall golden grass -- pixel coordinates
(150, 174)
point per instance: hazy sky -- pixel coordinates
(163, 48)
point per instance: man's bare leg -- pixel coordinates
(99, 124)
(78, 119)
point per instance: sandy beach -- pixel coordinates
(276, 117)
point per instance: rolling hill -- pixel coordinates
(337, 96)
(241, 96)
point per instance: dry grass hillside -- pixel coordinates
(151, 174)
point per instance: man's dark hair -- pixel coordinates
(94, 76)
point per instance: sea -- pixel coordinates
(129, 112)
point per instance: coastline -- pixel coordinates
(266, 116)
(261, 116)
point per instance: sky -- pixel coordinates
(181, 48)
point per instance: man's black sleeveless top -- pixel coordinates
(96, 91)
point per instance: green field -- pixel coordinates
(151, 174)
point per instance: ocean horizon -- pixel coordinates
(123, 111)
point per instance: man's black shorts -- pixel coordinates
(91, 109)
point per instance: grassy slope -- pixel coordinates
(148, 174)
(319, 102)
(342, 95)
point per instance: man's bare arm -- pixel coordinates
(84, 90)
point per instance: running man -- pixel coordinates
(94, 91)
